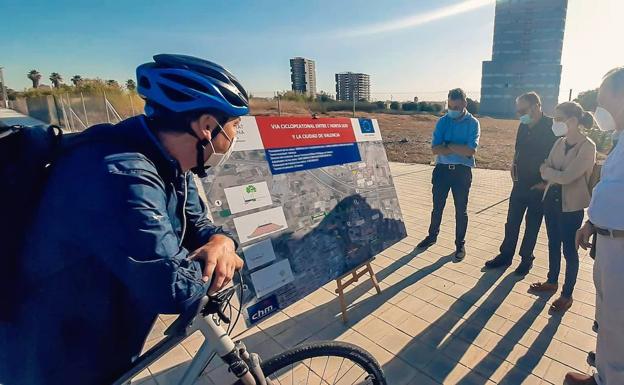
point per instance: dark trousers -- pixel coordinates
(527, 203)
(561, 228)
(456, 178)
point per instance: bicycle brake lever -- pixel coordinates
(222, 316)
(216, 305)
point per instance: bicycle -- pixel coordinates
(314, 363)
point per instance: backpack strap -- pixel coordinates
(10, 130)
(56, 132)
(65, 143)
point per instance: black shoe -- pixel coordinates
(460, 254)
(595, 327)
(426, 243)
(591, 359)
(524, 267)
(498, 261)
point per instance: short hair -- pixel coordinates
(532, 98)
(457, 94)
(615, 79)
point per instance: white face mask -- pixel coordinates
(559, 128)
(604, 119)
(217, 159)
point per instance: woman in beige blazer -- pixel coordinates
(566, 172)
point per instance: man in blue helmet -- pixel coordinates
(121, 234)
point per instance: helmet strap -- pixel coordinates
(200, 168)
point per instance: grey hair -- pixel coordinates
(532, 98)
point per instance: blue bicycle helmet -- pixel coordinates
(186, 84)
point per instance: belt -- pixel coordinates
(451, 166)
(610, 233)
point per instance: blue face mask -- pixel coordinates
(526, 119)
(454, 114)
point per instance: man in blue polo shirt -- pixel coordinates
(455, 141)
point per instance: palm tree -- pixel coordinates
(34, 76)
(77, 80)
(56, 79)
(130, 85)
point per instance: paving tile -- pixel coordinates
(431, 313)
(395, 316)
(143, 378)
(418, 354)
(473, 356)
(411, 304)
(567, 354)
(436, 322)
(394, 341)
(516, 376)
(556, 372)
(413, 326)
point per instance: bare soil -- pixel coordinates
(407, 138)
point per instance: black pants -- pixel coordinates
(522, 200)
(458, 179)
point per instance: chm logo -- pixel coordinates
(262, 309)
(261, 313)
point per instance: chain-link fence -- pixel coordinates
(77, 111)
(74, 110)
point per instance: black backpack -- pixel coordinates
(26, 154)
(26, 158)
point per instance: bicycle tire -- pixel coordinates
(302, 352)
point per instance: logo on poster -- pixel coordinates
(366, 126)
(262, 309)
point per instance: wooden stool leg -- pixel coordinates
(343, 303)
(373, 278)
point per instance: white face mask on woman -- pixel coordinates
(559, 128)
(604, 120)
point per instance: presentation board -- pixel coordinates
(308, 200)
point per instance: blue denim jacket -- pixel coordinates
(107, 253)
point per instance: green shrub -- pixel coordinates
(410, 106)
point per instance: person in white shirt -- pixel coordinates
(606, 219)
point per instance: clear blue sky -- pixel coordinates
(409, 47)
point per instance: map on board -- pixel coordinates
(308, 200)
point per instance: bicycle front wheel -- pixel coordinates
(335, 363)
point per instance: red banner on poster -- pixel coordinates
(287, 132)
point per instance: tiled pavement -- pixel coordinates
(436, 322)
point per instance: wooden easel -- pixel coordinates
(355, 276)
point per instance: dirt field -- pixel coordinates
(408, 137)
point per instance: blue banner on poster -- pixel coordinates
(284, 160)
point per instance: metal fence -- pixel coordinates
(77, 111)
